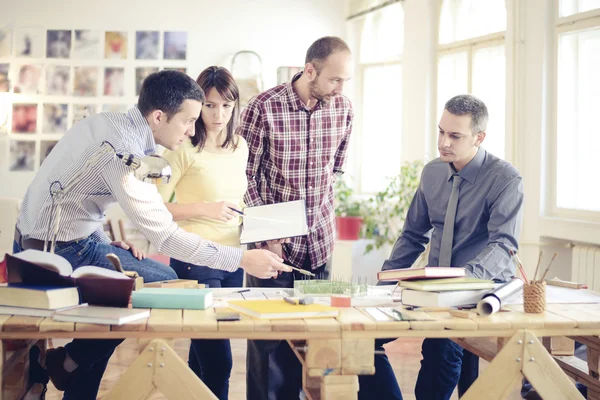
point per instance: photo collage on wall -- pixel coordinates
(52, 78)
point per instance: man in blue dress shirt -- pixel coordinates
(469, 207)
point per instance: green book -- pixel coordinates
(189, 299)
(442, 285)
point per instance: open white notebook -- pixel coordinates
(274, 221)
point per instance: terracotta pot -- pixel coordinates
(348, 228)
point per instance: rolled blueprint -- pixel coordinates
(491, 302)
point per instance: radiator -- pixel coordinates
(585, 267)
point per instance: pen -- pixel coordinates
(243, 291)
(250, 216)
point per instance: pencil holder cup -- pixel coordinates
(534, 297)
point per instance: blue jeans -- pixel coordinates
(210, 359)
(92, 355)
(444, 366)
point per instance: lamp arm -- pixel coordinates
(59, 193)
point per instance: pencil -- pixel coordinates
(302, 271)
(520, 265)
(538, 264)
(548, 267)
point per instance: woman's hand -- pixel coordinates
(221, 211)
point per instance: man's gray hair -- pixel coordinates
(468, 104)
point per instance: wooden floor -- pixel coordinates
(404, 356)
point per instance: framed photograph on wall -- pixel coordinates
(140, 74)
(22, 155)
(4, 81)
(55, 118)
(46, 147)
(81, 111)
(28, 79)
(5, 42)
(58, 44)
(146, 45)
(24, 118)
(115, 45)
(86, 45)
(114, 81)
(175, 45)
(58, 80)
(29, 42)
(85, 82)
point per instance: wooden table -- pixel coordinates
(334, 351)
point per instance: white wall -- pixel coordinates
(279, 30)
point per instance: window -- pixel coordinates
(472, 60)
(577, 143)
(380, 71)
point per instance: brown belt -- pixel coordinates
(35, 244)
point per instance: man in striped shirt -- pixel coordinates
(297, 134)
(168, 106)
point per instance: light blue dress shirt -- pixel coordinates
(488, 217)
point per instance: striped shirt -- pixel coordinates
(108, 180)
(297, 153)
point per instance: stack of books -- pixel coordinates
(437, 286)
(43, 284)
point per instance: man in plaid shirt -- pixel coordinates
(298, 135)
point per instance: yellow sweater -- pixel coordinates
(204, 177)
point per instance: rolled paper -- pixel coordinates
(492, 302)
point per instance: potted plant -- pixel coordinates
(384, 214)
(348, 212)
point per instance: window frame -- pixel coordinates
(471, 45)
(573, 23)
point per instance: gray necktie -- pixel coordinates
(448, 233)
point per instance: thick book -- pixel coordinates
(100, 286)
(442, 285)
(442, 299)
(48, 297)
(33, 312)
(177, 298)
(101, 315)
(420, 273)
(274, 221)
(280, 309)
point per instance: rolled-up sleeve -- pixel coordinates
(144, 206)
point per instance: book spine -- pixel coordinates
(141, 300)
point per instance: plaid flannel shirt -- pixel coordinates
(297, 153)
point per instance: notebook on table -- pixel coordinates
(280, 309)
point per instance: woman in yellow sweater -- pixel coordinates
(209, 179)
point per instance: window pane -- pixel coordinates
(489, 84)
(570, 7)
(578, 142)
(464, 19)
(382, 38)
(452, 78)
(382, 126)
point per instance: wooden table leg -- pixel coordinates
(523, 355)
(159, 367)
(330, 366)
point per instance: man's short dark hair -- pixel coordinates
(464, 104)
(166, 91)
(321, 49)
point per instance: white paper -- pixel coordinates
(274, 221)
